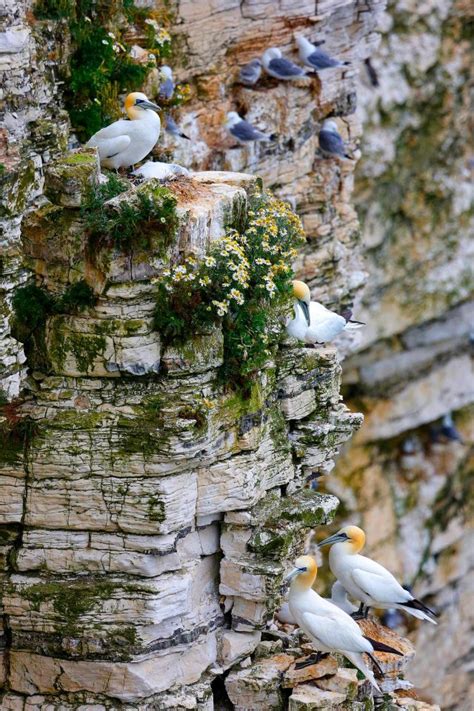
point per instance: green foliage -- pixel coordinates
(77, 297)
(245, 282)
(32, 304)
(101, 65)
(151, 214)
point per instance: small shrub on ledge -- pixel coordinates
(244, 282)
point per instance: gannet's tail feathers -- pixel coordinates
(381, 647)
(417, 609)
(352, 325)
(358, 661)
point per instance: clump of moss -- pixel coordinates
(147, 221)
(77, 297)
(244, 283)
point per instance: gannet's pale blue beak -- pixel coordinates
(145, 104)
(336, 538)
(292, 574)
(305, 308)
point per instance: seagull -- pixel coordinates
(124, 143)
(366, 580)
(330, 141)
(329, 628)
(250, 73)
(313, 322)
(167, 85)
(446, 431)
(277, 66)
(172, 127)
(242, 130)
(314, 57)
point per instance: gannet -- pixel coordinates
(280, 68)
(162, 171)
(331, 143)
(313, 322)
(314, 57)
(339, 598)
(125, 143)
(250, 73)
(167, 85)
(329, 628)
(242, 130)
(366, 580)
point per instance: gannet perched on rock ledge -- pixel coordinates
(329, 628)
(313, 322)
(366, 580)
(124, 143)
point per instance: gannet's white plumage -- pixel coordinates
(162, 171)
(124, 143)
(366, 580)
(312, 322)
(279, 67)
(339, 598)
(329, 628)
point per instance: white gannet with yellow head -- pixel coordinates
(313, 322)
(366, 580)
(329, 628)
(125, 143)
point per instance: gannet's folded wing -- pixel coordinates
(335, 631)
(112, 139)
(380, 586)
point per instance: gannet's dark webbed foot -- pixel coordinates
(361, 613)
(312, 659)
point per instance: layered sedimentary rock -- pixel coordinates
(154, 509)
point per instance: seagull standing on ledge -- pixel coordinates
(331, 143)
(250, 73)
(167, 85)
(242, 130)
(366, 580)
(314, 57)
(124, 143)
(280, 68)
(313, 322)
(329, 628)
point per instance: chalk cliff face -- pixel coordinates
(147, 514)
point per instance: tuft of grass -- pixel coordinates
(244, 283)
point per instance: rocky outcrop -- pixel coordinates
(151, 518)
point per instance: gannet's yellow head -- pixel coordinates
(303, 297)
(304, 573)
(351, 537)
(136, 105)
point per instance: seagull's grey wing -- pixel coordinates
(332, 143)
(321, 60)
(284, 68)
(250, 73)
(244, 131)
(166, 89)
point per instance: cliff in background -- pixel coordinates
(410, 487)
(77, 500)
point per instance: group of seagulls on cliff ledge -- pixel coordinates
(328, 623)
(126, 142)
